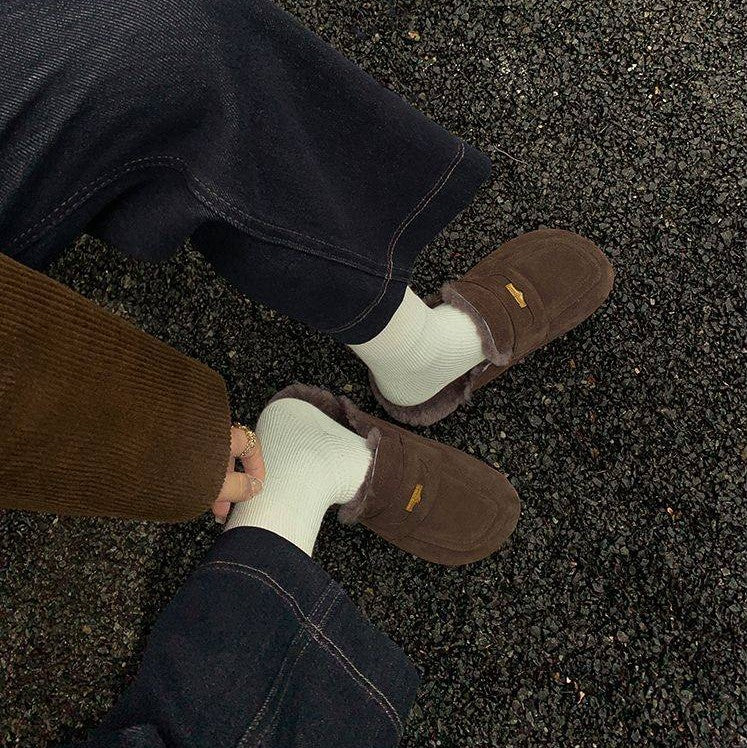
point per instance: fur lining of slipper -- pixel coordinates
(459, 391)
(349, 514)
(442, 404)
(342, 410)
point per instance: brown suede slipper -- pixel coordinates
(426, 498)
(528, 292)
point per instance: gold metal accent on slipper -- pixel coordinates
(417, 495)
(518, 295)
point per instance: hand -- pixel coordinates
(240, 486)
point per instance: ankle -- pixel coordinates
(400, 344)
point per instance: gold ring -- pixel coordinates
(251, 439)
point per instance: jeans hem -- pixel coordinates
(449, 195)
(388, 678)
(211, 199)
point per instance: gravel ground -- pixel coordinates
(616, 614)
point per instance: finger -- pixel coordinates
(239, 487)
(238, 441)
(254, 464)
(221, 510)
(238, 445)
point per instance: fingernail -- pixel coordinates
(221, 520)
(255, 485)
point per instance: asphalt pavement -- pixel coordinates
(615, 616)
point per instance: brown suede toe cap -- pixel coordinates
(472, 516)
(435, 501)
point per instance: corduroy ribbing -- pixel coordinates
(98, 418)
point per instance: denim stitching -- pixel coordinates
(321, 599)
(362, 680)
(169, 162)
(372, 270)
(258, 716)
(427, 199)
(248, 217)
(84, 193)
(325, 642)
(330, 609)
(273, 718)
(278, 678)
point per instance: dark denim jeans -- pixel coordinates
(307, 184)
(261, 648)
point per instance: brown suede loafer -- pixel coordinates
(426, 498)
(528, 292)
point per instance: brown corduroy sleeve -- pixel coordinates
(98, 418)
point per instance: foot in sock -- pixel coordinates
(312, 463)
(421, 350)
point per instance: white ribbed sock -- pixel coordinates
(421, 350)
(312, 463)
